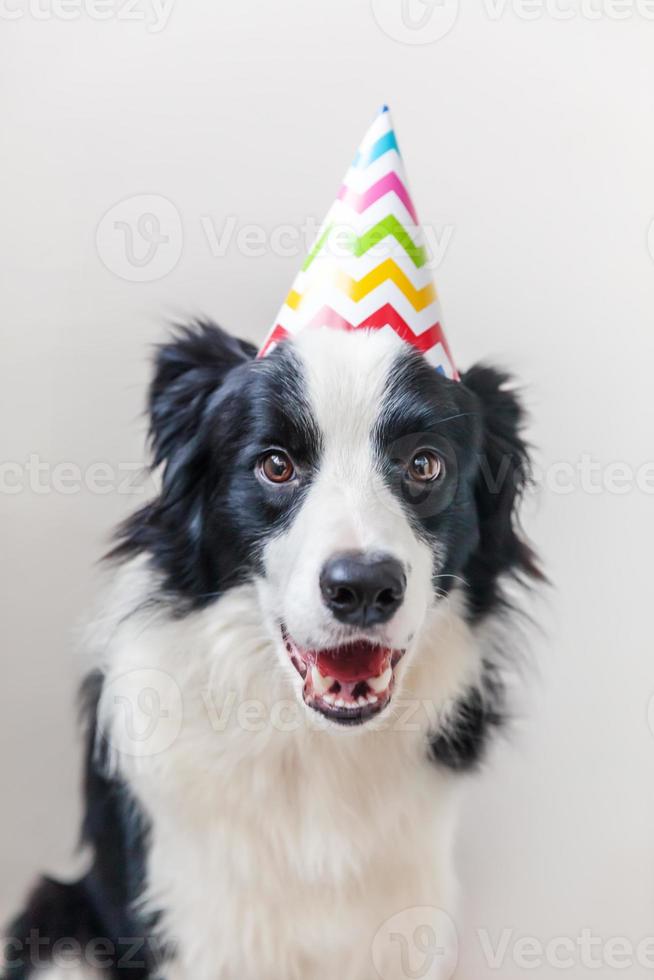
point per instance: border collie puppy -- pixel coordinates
(291, 669)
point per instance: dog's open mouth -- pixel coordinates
(348, 684)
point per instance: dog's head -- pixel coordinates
(351, 482)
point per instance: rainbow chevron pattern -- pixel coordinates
(367, 269)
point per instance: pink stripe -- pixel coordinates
(385, 316)
(388, 183)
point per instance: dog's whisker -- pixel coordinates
(460, 415)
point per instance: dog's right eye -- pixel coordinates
(276, 467)
(425, 467)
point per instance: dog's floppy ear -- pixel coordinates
(190, 375)
(188, 370)
(503, 475)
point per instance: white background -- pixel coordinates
(530, 147)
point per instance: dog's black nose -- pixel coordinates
(363, 590)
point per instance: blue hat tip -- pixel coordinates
(383, 109)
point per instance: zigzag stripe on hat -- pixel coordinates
(386, 316)
(385, 143)
(388, 271)
(390, 184)
(357, 312)
(359, 245)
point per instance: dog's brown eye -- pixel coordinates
(276, 467)
(426, 466)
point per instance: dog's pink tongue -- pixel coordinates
(352, 663)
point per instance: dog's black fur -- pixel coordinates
(96, 913)
(209, 408)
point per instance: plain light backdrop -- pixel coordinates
(528, 138)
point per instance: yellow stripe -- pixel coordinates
(358, 290)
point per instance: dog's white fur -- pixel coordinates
(282, 845)
(279, 847)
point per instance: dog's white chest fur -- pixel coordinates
(298, 884)
(280, 847)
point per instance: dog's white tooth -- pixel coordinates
(361, 701)
(380, 683)
(320, 684)
(372, 699)
(329, 698)
(340, 703)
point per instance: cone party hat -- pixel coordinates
(368, 268)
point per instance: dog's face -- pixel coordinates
(344, 476)
(370, 460)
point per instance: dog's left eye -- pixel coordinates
(276, 467)
(426, 466)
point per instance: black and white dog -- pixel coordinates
(292, 666)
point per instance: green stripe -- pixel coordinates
(390, 226)
(316, 248)
(387, 226)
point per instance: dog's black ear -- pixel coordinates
(191, 374)
(188, 370)
(504, 473)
